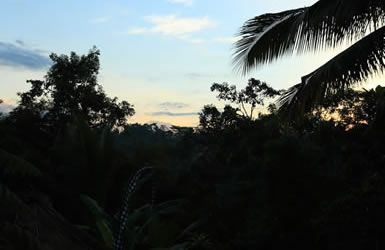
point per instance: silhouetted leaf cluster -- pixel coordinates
(231, 183)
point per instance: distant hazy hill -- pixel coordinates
(5, 108)
(162, 125)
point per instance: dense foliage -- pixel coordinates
(234, 182)
(71, 89)
(325, 24)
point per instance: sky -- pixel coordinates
(159, 55)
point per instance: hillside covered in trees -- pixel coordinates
(306, 174)
(75, 175)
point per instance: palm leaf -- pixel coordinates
(13, 236)
(10, 202)
(325, 24)
(12, 165)
(350, 67)
(255, 47)
(165, 208)
(190, 228)
(181, 246)
(103, 221)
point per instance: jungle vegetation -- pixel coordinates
(75, 175)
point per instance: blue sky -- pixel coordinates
(160, 55)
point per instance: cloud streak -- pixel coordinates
(133, 31)
(171, 25)
(173, 105)
(185, 2)
(16, 56)
(100, 20)
(227, 39)
(194, 75)
(173, 114)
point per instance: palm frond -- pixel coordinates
(255, 47)
(13, 236)
(103, 221)
(350, 67)
(182, 246)
(325, 24)
(330, 22)
(11, 202)
(12, 165)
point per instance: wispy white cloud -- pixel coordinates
(137, 30)
(227, 39)
(171, 25)
(172, 114)
(185, 2)
(100, 20)
(195, 75)
(173, 105)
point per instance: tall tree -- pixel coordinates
(70, 89)
(326, 24)
(252, 95)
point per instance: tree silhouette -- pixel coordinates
(70, 89)
(211, 119)
(253, 94)
(326, 24)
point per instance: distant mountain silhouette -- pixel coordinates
(162, 125)
(6, 108)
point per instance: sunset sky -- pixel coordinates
(160, 55)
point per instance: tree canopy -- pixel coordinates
(255, 93)
(70, 89)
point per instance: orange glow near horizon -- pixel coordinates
(183, 121)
